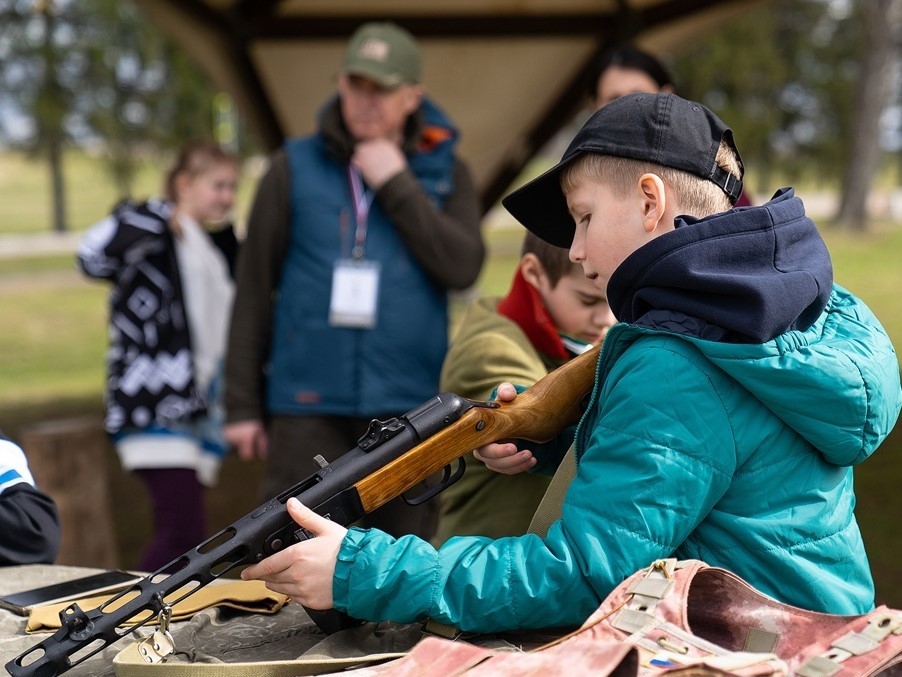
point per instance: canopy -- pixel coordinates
(510, 73)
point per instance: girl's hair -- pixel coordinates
(696, 196)
(196, 157)
(633, 58)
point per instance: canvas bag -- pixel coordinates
(686, 618)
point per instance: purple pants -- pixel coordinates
(179, 514)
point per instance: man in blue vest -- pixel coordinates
(355, 237)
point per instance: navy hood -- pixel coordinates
(742, 276)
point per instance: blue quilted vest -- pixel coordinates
(320, 369)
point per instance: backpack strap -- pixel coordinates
(878, 644)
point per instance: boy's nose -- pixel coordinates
(577, 253)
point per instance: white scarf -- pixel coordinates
(208, 291)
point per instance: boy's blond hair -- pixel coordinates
(696, 196)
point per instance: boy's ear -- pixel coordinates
(654, 200)
(533, 270)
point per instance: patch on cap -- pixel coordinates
(374, 49)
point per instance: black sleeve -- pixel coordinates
(260, 260)
(29, 526)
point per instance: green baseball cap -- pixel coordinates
(384, 53)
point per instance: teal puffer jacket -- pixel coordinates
(698, 453)
(736, 453)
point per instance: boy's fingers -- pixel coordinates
(505, 458)
(506, 392)
(493, 452)
(265, 569)
(305, 517)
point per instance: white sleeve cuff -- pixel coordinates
(13, 466)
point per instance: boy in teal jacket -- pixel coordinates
(731, 401)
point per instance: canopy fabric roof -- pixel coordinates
(510, 73)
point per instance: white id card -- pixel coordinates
(355, 289)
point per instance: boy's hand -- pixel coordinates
(503, 457)
(303, 571)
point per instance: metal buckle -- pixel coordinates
(160, 645)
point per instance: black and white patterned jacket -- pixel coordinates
(150, 380)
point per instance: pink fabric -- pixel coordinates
(699, 625)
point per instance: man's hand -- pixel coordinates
(378, 161)
(303, 571)
(249, 439)
(503, 457)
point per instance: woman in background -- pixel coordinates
(626, 69)
(171, 264)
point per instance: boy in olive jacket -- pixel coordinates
(551, 313)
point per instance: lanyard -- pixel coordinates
(362, 198)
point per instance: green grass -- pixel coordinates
(56, 319)
(55, 335)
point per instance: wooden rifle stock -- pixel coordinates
(537, 415)
(391, 458)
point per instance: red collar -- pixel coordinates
(524, 306)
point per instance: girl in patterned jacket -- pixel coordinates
(170, 262)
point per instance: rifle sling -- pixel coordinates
(130, 663)
(551, 505)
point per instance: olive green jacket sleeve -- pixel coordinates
(488, 349)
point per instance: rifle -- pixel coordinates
(390, 458)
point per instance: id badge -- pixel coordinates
(355, 289)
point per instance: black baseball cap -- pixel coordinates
(663, 129)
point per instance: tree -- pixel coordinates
(783, 76)
(154, 98)
(34, 48)
(96, 72)
(881, 20)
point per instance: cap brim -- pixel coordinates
(541, 206)
(388, 81)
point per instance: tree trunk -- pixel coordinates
(58, 185)
(52, 111)
(880, 19)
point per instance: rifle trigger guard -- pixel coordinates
(447, 480)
